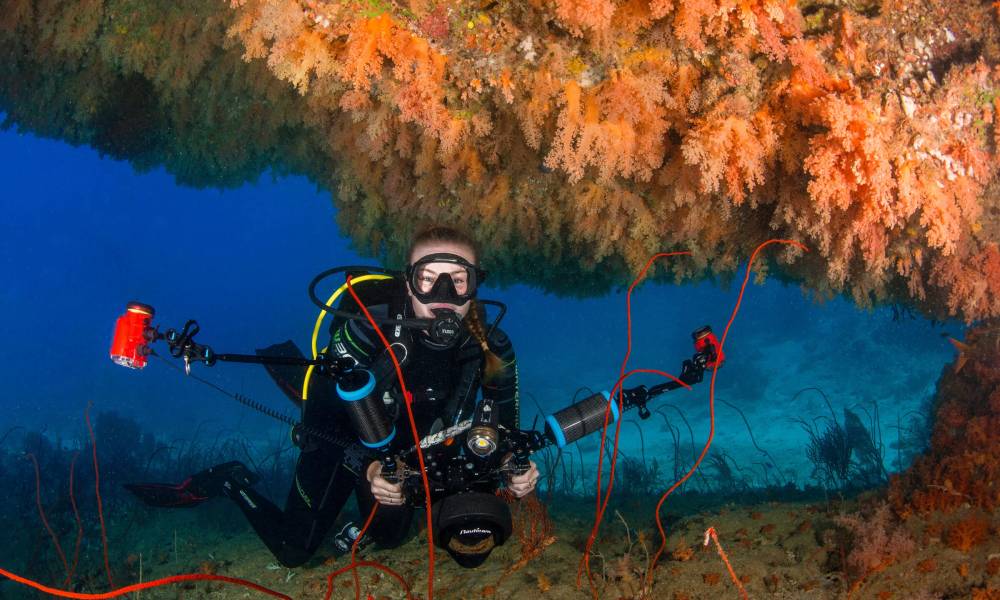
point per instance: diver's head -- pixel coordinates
(442, 272)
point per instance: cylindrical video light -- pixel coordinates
(367, 413)
(580, 419)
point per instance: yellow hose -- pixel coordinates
(319, 322)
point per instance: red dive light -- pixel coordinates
(128, 346)
(705, 341)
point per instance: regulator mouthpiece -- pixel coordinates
(131, 336)
(446, 327)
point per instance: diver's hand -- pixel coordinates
(389, 494)
(523, 484)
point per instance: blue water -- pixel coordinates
(81, 235)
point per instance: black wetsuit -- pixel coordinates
(445, 383)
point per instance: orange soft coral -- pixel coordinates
(967, 533)
(962, 466)
(618, 127)
(732, 147)
(851, 179)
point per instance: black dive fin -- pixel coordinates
(201, 486)
(167, 495)
(288, 377)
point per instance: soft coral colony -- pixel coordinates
(586, 133)
(633, 126)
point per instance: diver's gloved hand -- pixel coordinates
(525, 483)
(221, 479)
(389, 494)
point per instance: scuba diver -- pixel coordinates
(446, 374)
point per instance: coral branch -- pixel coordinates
(97, 493)
(41, 513)
(710, 535)
(76, 516)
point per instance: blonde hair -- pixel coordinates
(492, 365)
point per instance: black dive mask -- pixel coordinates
(444, 278)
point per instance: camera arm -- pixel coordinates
(456, 467)
(692, 372)
(181, 344)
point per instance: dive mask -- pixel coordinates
(446, 326)
(444, 278)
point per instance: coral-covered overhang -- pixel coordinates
(584, 133)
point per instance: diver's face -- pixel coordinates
(430, 272)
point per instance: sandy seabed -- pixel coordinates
(778, 550)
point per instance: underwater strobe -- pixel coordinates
(132, 334)
(706, 343)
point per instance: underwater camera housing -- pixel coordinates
(469, 520)
(466, 464)
(470, 525)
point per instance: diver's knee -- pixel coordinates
(390, 543)
(291, 557)
(391, 537)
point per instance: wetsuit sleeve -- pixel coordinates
(503, 387)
